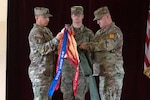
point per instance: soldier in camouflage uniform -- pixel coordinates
(81, 34)
(42, 45)
(107, 46)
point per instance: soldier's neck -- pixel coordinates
(76, 25)
(108, 25)
(40, 25)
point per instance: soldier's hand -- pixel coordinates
(59, 36)
(83, 46)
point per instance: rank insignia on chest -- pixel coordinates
(111, 35)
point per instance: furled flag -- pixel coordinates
(73, 57)
(67, 49)
(147, 49)
(60, 62)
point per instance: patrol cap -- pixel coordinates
(42, 11)
(100, 12)
(77, 10)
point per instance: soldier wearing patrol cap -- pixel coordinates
(81, 34)
(42, 11)
(107, 46)
(99, 13)
(42, 45)
(77, 10)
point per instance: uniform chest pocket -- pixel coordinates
(82, 39)
(85, 39)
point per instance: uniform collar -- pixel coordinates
(81, 28)
(109, 27)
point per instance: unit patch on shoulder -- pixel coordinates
(111, 35)
(38, 35)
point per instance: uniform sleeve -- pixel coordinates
(91, 36)
(107, 43)
(38, 42)
(86, 36)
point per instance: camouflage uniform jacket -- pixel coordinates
(42, 45)
(107, 46)
(83, 34)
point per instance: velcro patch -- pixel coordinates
(38, 35)
(111, 35)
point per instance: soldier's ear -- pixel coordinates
(108, 15)
(36, 17)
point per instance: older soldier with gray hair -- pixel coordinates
(107, 46)
(81, 34)
(42, 45)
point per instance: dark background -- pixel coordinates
(129, 15)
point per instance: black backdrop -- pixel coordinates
(129, 15)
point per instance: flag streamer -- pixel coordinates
(147, 49)
(60, 65)
(67, 50)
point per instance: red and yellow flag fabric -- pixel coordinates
(73, 57)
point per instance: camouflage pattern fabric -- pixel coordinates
(82, 34)
(42, 45)
(107, 47)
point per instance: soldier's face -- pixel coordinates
(77, 18)
(42, 20)
(102, 22)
